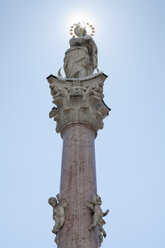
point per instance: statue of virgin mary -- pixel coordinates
(81, 58)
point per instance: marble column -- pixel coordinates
(78, 185)
(79, 113)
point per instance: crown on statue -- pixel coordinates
(83, 26)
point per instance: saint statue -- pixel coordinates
(81, 58)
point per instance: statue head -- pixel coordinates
(97, 200)
(52, 201)
(79, 30)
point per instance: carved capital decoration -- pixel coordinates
(78, 101)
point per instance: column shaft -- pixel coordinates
(78, 186)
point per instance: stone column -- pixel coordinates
(79, 114)
(78, 185)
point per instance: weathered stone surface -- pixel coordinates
(78, 101)
(78, 186)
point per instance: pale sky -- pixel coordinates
(130, 159)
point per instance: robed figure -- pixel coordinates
(81, 58)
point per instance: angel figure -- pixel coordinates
(98, 215)
(59, 206)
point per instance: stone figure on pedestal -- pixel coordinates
(81, 58)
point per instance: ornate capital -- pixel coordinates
(78, 101)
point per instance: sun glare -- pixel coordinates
(82, 18)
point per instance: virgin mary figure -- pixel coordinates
(81, 58)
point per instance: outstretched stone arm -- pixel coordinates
(106, 212)
(58, 197)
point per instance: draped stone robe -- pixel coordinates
(81, 58)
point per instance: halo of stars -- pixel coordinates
(87, 24)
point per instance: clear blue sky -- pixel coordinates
(130, 36)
